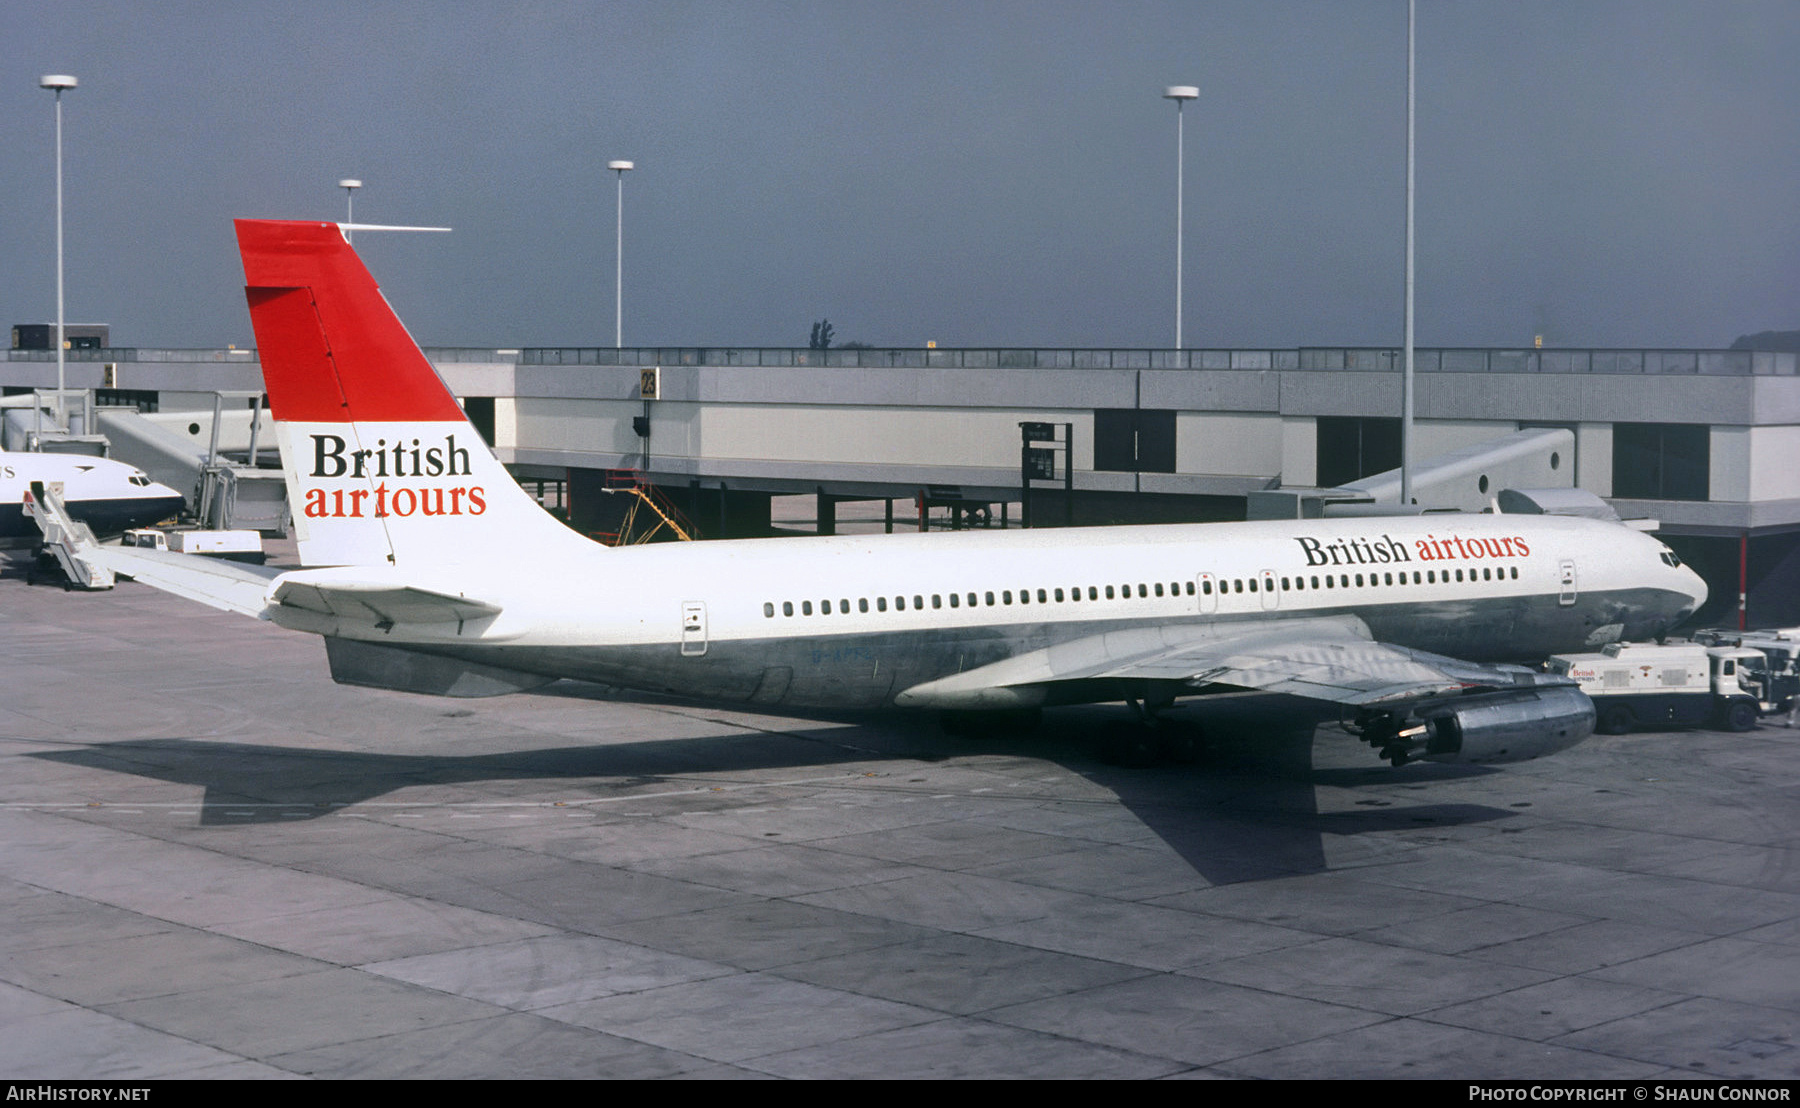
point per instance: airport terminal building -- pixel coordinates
(1706, 442)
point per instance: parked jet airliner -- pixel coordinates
(110, 497)
(430, 570)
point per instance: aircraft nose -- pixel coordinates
(1696, 589)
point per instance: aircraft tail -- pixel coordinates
(383, 468)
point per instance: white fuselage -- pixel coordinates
(857, 620)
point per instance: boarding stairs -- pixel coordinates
(65, 537)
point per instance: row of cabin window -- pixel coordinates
(1004, 597)
(1342, 580)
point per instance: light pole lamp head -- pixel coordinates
(56, 82)
(1178, 93)
(620, 166)
(349, 183)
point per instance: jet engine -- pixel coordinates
(1511, 725)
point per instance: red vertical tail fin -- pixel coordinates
(332, 348)
(382, 465)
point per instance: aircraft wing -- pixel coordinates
(228, 586)
(1334, 659)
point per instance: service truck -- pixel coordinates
(1781, 645)
(1676, 684)
(234, 546)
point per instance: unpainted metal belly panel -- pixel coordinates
(861, 670)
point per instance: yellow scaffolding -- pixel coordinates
(661, 515)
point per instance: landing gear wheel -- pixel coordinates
(1128, 743)
(1010, 723)
(1017, 722)
(959, 725)
(1740, 715)
(1182, 743)
(1616, 719)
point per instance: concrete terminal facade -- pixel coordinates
(1707, 442)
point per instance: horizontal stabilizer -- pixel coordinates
(228, 586)
(382, 604)
(375, 666)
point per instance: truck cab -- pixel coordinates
(1773, 677)
(1740, 682)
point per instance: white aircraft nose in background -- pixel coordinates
(110, 497)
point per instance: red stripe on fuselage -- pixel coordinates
(332, 349)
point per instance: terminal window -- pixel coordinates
(144, 400)
(1661, 461)
(1134, 440)
(1353, 447)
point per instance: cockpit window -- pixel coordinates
(1671, 559)
(139, 480)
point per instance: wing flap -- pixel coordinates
(1323, 659)
(1357, 672)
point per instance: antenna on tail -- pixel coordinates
(384, 227)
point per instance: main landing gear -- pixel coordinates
(1148, 737)
(1144, 738)
(990, 725)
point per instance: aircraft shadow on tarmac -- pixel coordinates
(1245, 811)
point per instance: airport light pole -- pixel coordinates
(59, 83)
(1180, 94)
(1406, 378)
(350, 185)
(619, 167)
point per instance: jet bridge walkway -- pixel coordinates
(222, 495)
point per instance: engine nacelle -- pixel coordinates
(1510, 726)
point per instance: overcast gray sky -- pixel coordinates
(1605, 172)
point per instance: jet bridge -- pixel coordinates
(29, 423)
(224, 486)
(1466, 480)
